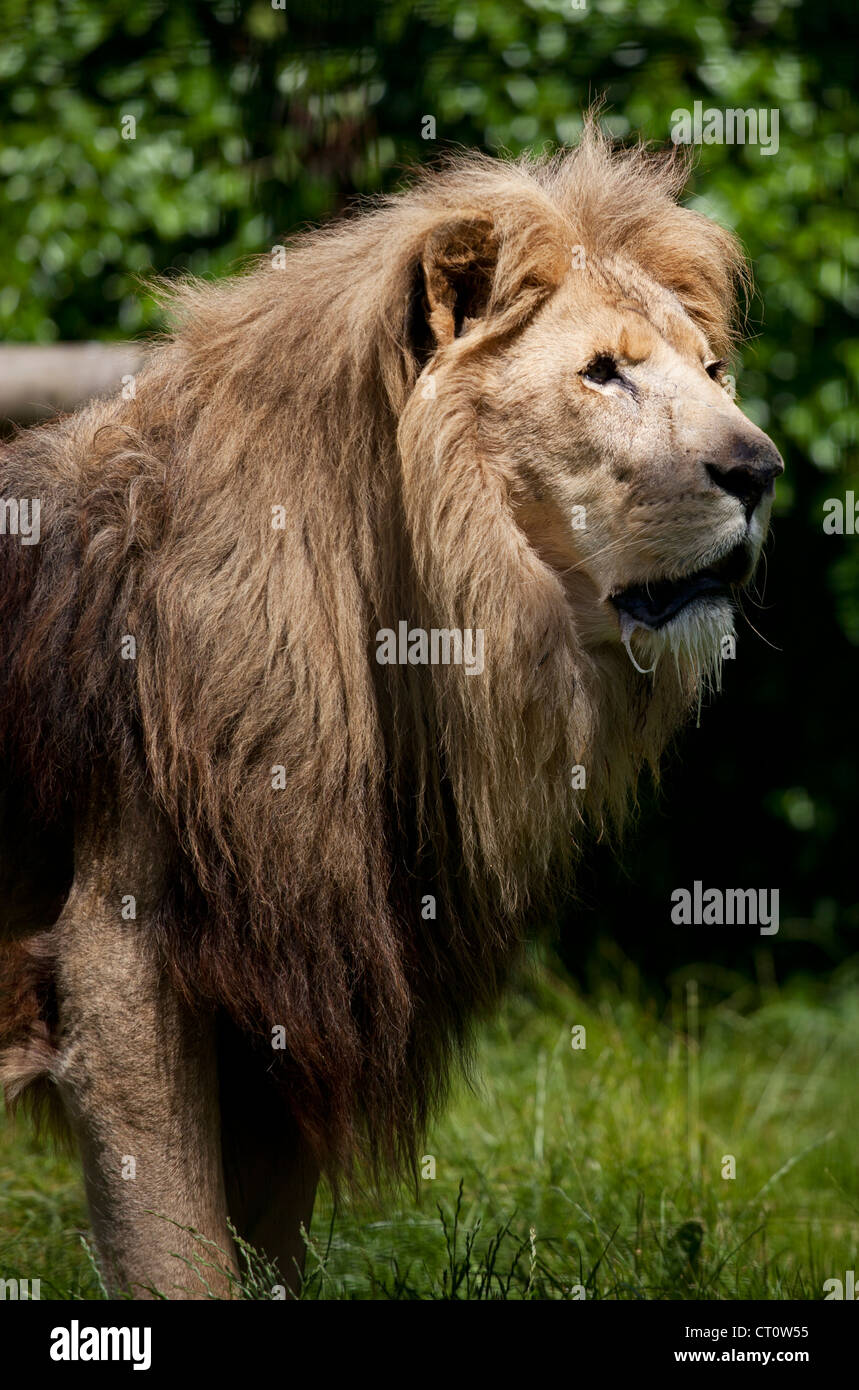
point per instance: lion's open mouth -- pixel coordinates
(655, 604)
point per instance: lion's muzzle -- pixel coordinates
(746, 467)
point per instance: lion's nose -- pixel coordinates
(746, 469)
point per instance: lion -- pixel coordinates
(266, 868)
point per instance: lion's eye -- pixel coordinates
(601, 370)
(715, 369)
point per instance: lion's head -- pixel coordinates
(608, 411)
(633, 472)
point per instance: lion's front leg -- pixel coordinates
(137, 1073)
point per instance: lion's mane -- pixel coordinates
(294, 387)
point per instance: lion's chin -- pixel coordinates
(700, 636)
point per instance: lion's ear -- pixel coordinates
(458, 266)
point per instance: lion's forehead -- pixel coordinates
(644, 306)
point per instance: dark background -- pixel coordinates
(253, 121)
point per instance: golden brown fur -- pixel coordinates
(298, 388)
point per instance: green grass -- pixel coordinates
(599, 1168)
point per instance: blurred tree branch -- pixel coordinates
(40, 380)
